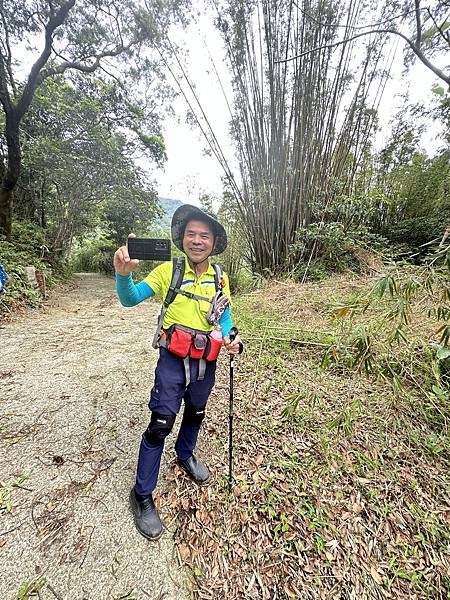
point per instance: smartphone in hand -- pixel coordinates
(149, 248)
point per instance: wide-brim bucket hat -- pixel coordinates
(186, 213)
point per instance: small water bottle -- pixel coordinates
(215, 344)
(216, 334)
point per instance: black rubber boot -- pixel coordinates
(146, 517)
(195, 469)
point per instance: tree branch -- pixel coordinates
(446, 36)
(414, 48)
(115, 18)
(58, 70)
(54, 22)
(103, 68)
(418, 24)
(9, 55)
(355, 27)
(5, 98)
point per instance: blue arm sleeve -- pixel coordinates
(225, 322)
(131, 294)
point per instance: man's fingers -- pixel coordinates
(124, 253)
(234, 346)
(122, 262)
(126, 256)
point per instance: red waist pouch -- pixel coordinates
(179, 341)
(183, 341)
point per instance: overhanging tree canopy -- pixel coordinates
(78, 174)
(67, 35)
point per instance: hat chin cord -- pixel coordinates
(195, 264)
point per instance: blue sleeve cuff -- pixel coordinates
(225, 322)
(131, 294)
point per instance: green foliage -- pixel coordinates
(408, 202)
(294, 154)
(70, 37)
(94, 256)
(28, 239)
(382, 339)
(248, 281)
(233, 260)
(135, 214)
(399, 204)
(417, 231)
(329, 248)
(438, 89)
(78, 170)
(26, 248)
(155, 144)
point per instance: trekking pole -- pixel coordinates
(232, 335)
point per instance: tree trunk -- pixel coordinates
(42, 216)
(5, 212)
(12, 172)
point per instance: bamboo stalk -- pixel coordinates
(289, 341)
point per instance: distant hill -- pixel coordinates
(169, 206)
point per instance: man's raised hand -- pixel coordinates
(123, 264)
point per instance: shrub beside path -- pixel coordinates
(74, 380)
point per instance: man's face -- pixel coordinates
(198, 241)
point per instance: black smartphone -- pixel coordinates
(149, 248)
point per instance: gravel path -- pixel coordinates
(74, 383)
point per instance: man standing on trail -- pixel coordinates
(194, 322)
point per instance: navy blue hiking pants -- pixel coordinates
(165, 401)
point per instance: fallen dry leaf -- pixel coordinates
(184, 551)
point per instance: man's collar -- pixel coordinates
(209, 270)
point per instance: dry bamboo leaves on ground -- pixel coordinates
(331, 500)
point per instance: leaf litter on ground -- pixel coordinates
(335, 494)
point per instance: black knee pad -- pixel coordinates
(193, 416)
(159, 428)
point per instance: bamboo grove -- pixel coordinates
(304, 111)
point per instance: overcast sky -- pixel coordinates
(189, 173)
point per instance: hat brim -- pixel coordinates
(188, 212)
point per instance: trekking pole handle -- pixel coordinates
(232, 335)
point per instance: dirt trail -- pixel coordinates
(74, 382)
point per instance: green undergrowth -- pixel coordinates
(26, 248)
(94, 256)
(353, 431)
(97, 255)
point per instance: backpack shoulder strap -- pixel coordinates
(178, 268)
(218, 277)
